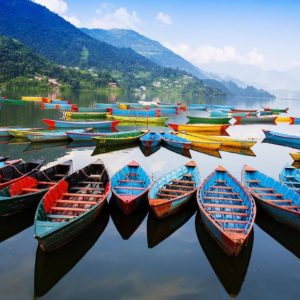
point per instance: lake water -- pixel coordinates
(138, 257)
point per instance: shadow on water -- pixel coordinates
(105, 149)
(45, 145)
(289, 238)
(183, 152)
(214, 153)
(231, 271)
(127, 224)
(12, 225)
(240, 151)
(160, 229)
(149, 151)
(285, 144)
(81, 144)
(51, 267)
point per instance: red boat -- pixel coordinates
(129, 186)
(243, 110)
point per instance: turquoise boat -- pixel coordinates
(51, 135)
(290, 176)
(172, 191)
(70, 206)
(130, 185)
(92, 109)
(83, 124)
(286, 139)
(26, 193)
(174, 140)
(88, 136)
(278, 200)
(151, 139)
(106, 105)
(227, 210)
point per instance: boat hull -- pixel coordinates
(199, 127)
(295, 156)
(255, 120)
(142, 120)
(282, 138)
(208, 120)
(69, 124)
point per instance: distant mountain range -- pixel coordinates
(164, 57)
(133, 59)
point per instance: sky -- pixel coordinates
(261, 34)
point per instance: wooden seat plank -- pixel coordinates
(232, 221)
(165, 195)
(217, 212)
(51, 216)
(83, 188)
(290, 206)
(75, 209)
(30, 190)
(183, 181)
(281, 201)
(234, 229)
(242, 207)
(222, 198)
(82, 195)
(222, 187)
(269, 194)
(129, 187)
(222, 193)
(75, 202)
(180, 186)
(131, 180)
(173, 191)
(47, 183)
(261, 189)
(220, 181)
(253, 181)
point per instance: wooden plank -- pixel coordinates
(165, 195)
(234, 229)
(290, 206)
(173, 191)
(187, 175)
(30, 190)
(83, 188)
(131, 180)
(221, 187)
(222, 198)
(261, 189)
(183, 181)
(242, 207)
(223, 193)
(180, 186)
(82, 195)
(269, 194)
(91, 182)
(129, 188)
(220, 181)
(75, 209)
(253, 181)
(232, 221)
(51, 216)
(217, 212)
(75, 202)
(47, 183)
(280, 201)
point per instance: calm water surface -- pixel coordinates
(139, 257)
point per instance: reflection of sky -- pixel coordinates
(177, 267)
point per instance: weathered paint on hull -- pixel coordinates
(255, 120)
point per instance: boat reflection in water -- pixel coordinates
(231, 271)
(81, 144)
(45, 145)
(285, 144)
(105, 149)
(184, 152)
(240, 151)
(127, 224)
(14, 224)
(51, 267)
(160, 229)
(296, 164)
(214, 153)
(289, 238)
(149, 150)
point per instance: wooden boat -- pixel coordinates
(29, 98)
(219, 114)
(86, 124)
(67, 115)
(282, 137)
(71, 205)
(120, 138)
(295, 156)
(276, 110)
(281, 119)
(151, 139)
(172, 191)
(255, 120)
(278, 200)
(216, 106)
(26, 193)
(230, 270)
(92, 109)
(236, 150)
(199, 127)
(142, 120)
(50, 268)
(295, 121)
(208, 120)
(227, 210)
(21, 132)
(130, 185)
(50, 135)
(243, 110)
(199, 142)
(149, 151)
(160, 229)
(290, 176)
(13, 172)
(106, 105)
(174, 140)
(144, 113)
(224, 140)
(88, 136)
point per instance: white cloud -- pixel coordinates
(164, 18)
(73, 20)
(207, 54)
(57, 6)
(116, 18)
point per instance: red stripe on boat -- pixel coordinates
(17, 187)
(114, 123)
(238, 120)
(224, 127)
(292, 120)
(50, 123)
(173, 126)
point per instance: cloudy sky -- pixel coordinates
(211, 34)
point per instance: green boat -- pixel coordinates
(70, 115)
(208, 120)
(120, 138)
(143, 120)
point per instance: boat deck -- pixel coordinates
(292, 182)
(131, 184)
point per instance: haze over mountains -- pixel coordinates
(134, 57)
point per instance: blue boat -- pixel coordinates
(55, 101)
(290, 176)
(150, 139)
(92, 109)
(88, 136)
(227, 210)
(275, 198)
(85, 124)
(133, 113)
(198, 106)
(214, 106)
(106, 105)
(58, 106)
(50, 135)
(172, 191)
(282, 138)
(130, 185)
(173, 140)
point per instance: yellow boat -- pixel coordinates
(295, 156)
(214, 153)
(241, 151)
(27, 98)
(226, 140)
(200, 142)
(215, 128)
(153, 120)
(283, 120)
